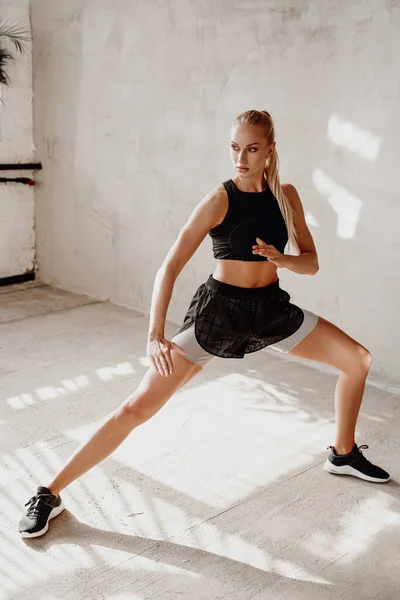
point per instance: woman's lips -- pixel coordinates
(243, 169)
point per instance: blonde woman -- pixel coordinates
(240, 309)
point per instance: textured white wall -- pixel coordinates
(133, 105)
(17, 237)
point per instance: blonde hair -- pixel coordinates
(263, 119)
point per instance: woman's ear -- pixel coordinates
(270, 151)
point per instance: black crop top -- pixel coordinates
(249, 215)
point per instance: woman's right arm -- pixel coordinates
(206, 215)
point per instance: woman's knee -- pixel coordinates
(359, 361)
(154, 391)
(135, 410)
(365, 358)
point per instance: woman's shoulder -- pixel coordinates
(218, 201)
(288, 188)
(223, 187)
(219, 193)
(291, 194)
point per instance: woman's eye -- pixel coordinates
(236, 149)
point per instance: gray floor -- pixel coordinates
(221, 495)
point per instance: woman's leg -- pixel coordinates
(149, 397)
(329, 344)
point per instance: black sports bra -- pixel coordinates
(249, 215)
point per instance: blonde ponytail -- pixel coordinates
(264, 119)
(272, 174)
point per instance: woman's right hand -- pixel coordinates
(159, 352)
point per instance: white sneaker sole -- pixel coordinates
(348, 470)
(54, 513)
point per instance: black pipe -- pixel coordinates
(17, 279)
(20, 166)
(25, 180)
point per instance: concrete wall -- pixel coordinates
(17, 237)
(133, 105)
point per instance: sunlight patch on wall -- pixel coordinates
(311, 220)
(346, 205)
(354, 138)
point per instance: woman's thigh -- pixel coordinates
(194, 352)
(328, 344)
(154, 390)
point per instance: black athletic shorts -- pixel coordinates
(230, 321)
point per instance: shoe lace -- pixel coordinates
(364, 446)
(36, 503)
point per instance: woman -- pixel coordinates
(239, 309)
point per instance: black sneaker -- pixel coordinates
(42, 507)
(355, 463)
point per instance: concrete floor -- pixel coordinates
(221, 495)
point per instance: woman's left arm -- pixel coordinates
(305, 263)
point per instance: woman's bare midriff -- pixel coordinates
(249, 274)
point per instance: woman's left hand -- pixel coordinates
(273, 255)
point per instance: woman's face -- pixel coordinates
(249, 149)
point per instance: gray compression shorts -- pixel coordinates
(197, 355)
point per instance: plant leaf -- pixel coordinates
(18, 36)
(5, 58)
